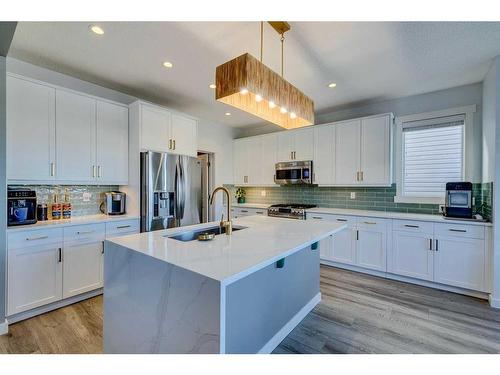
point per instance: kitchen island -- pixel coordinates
(242, 293)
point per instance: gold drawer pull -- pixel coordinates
(36, 238)
(123, 226)
(458, 230)
(370, 222)
(317, 217)
(341, 219)
(85, 232)
(411, 226)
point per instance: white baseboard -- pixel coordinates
(288, 327)
(4, 328)
(494, 302)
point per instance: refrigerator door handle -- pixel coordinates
(180, 193)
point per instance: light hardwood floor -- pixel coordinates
(358, 314)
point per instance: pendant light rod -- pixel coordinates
(261, 40)
(282, 53)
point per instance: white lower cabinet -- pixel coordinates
(240, 212)
(49, 265)
(460, 262)
(371, 243)
(448, 254)
(34, 277)
(412, 255)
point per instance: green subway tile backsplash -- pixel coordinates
(376, 198)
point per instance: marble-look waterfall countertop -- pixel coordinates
(229, 258)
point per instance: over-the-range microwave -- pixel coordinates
(294, 172)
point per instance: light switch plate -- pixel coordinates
(353, 195)
(86, 197)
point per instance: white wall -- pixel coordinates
(491, 164)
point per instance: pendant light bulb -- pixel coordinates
(258, 98)
(243, 91)
(283, 110)
(272, 104)
(293, 115)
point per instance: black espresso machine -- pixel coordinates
(21, 206)
(458, 201)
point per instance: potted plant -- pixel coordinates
(240, 195)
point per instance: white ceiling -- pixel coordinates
(368, 61)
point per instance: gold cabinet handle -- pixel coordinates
(52, 169)
(370, 222)
(36, 238)
(362, 176)
(174, 144)
(169, 144)
(123, 226)
(99, 171)
(93, 171)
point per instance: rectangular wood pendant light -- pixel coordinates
(249, 85)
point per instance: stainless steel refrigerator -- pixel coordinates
(171, 191)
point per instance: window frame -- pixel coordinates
(467, 151)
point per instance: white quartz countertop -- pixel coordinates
(229, 258)
(374, 213)
(393, 215)
(76, 220)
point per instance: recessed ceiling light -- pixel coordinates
(243, 91)
(258, 98)
(283, 110)
(96, 29)
(332, 85)
(272, 104)
(212, 86)
(293, 115)
(228, 113)
(167, 64)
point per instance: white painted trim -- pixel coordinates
(53, 306)
(288, 327)
(467, 152)
(4, 328)
(410, 280)
(494, 302)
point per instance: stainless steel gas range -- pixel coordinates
(289, 211)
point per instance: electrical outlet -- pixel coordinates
(441, 209)
(86, 197)
(262, 193)
(473, 201)
(353, 195)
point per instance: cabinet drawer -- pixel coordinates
(413, 226)
(349, 220)
(35, 238)
(459, 230)
(372, 223)
(118, 228)
(84, 233)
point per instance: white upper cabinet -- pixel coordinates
(375, 165)
(254, 160)
(155, 128)
(183, 135)
(71, 137)
(269, 157)
(296, 145)
(75, 137)
(31, 130)
(164, 131)
(347, 155)
(112, 143)
(324, 155)
(285, 146)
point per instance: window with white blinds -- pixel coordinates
(433, 151)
